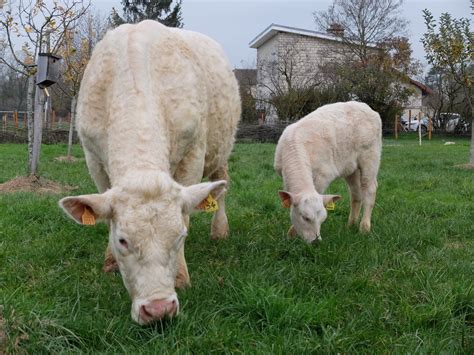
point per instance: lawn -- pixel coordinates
(407, 287)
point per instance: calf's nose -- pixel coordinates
(158, 309)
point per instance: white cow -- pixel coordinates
(157, 112)
(337, 140)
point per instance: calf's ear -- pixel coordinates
(85, 209)
(195, 196)
(327, 199)
(287, 199)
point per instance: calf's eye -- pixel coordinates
(123, 242)
(306, 219)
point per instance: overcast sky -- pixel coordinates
(235, 23)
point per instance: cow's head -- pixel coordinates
(308, 212)
(147, 230)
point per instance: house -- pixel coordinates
(294, 57)
(416, 103)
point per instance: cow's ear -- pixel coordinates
(328, 199)
(203, 196)
(86, 209)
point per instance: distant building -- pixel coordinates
(294, 55)
(416, 102)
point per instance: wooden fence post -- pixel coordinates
(4, 119)
(25, 117)
(430, 127)
(419, 127)
(15, 119)
(409, 120)
(396, 126)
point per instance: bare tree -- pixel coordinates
(76, 51)
(375, 59)
(361, 24)
(285, 81)
(30, 27)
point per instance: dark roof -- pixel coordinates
(425, 89)
(246, 76)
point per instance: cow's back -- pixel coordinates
(158, 93)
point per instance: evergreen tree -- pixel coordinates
(138, 10)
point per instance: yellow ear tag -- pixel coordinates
(88, 217)
(331, 206)
(208, 204)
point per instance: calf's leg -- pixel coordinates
(368, 183)
(353, 181)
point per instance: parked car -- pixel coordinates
(452, 122)
(412, 126)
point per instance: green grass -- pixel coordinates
(407, 287)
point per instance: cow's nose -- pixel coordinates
(158, 309)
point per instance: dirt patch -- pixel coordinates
(454, 245)
(465, 166)
(3, 334)
(65, 159)
(33, 184)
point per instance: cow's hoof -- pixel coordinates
(110, 265)
(364, 227)
(219, 233)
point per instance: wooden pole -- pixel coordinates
(30, 104)
(25, 117)
(396, 127)
(37, 129)
(15, 119)
(4, 119)
(409, 120)
(430, 127)
(419, 127)
(71, 126)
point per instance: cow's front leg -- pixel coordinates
(110, 264)
(182, 276)
(220, 225)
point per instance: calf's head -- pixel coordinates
(307, 212)
(146, 233)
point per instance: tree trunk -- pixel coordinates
(71, 127)
(29, 119)
(38, 130)
(47, 114)
(471, 160)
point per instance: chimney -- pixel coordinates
(336, 29)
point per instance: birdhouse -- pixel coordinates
(48, 69)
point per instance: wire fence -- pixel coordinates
(270, 133)
(13, 129)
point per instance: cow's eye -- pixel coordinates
(306, 219)
(123, 242)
